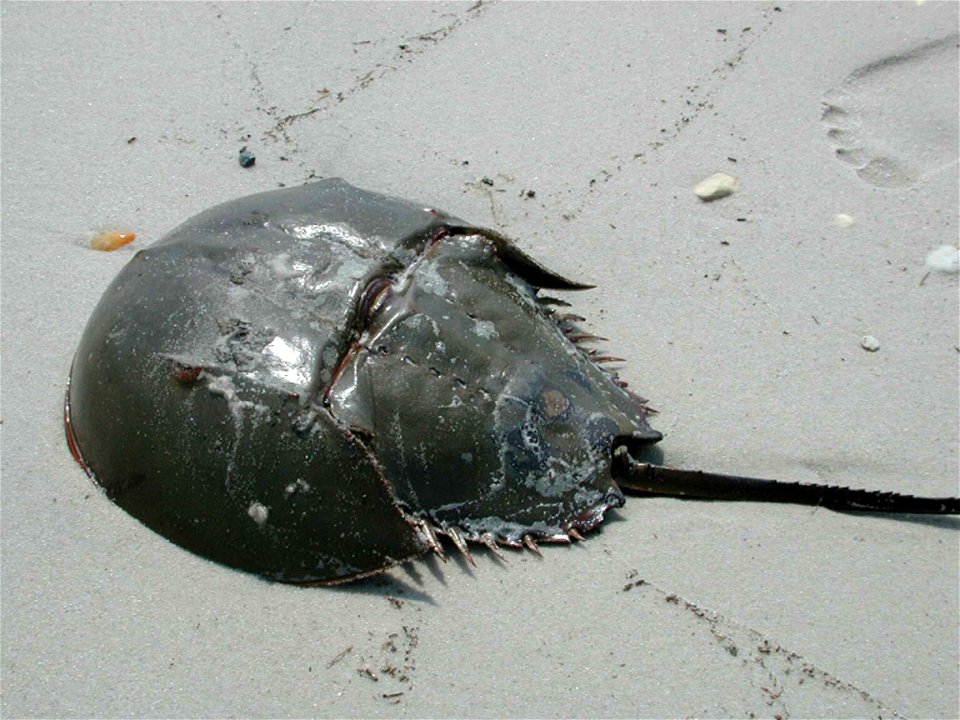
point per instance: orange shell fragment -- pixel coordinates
(111, 240)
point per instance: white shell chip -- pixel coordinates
(945, 259)
(716, 186)
(869, 343)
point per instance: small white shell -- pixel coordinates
(716, 186)
(945, 259)
(869, 343)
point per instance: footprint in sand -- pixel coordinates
(896, 119)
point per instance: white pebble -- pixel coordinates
(843, 220)
(869, 343)
(715, 187)
(945, 259)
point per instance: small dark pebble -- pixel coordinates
(132, 140)
(247, 158)
(486, 181)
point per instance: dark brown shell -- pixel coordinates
(312, 383)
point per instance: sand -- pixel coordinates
(741, 318)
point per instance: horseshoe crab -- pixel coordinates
(315, 383)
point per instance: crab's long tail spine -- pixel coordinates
(658, 480)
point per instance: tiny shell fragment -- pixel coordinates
(869, 343)
(716, 186)
(843, 220)
(110, 240)
(945, 259)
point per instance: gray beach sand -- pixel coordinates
(741, 319)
